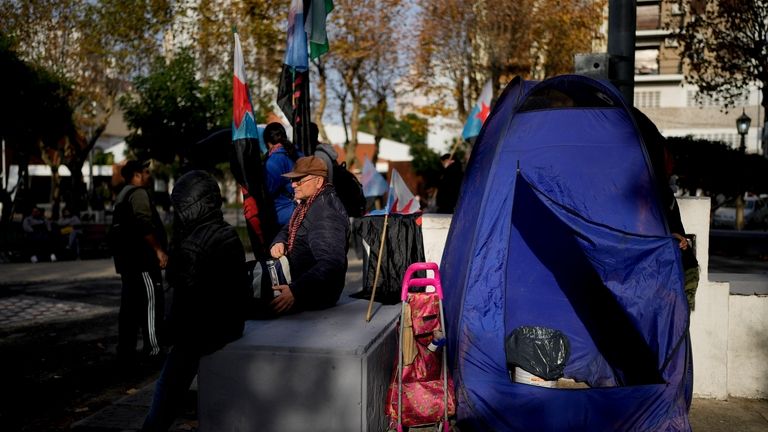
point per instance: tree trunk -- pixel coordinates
(20, 200)
(740, 212)
(52, 158)
(81, 148)
(378, 127)
(343, 109)
(763, 140)
(55, 192)
(354, 117)
(354, 125)
(78, 201)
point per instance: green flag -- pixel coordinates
(315, 27)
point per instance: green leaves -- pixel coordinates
(716, 168)
(410, 129)
(724, 48)
(171, 109)
(35, 106)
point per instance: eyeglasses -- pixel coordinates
(301, 180)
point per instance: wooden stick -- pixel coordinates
(378, 266)
(454, 148)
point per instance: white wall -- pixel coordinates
(434, 231)
(748, 346)
(729, 333)
(710, 318)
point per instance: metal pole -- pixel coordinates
(5, 174)
(622, 17)
(90, 173)
(757, 123)
(743, 146)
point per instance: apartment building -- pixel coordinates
(661, 93)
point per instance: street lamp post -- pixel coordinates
(742, 126)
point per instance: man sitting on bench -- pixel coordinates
(314, 241)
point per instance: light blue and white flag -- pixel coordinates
(479, 113)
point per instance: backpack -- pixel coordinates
(119, 231)
(348, 189)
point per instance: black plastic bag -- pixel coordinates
(541, 351)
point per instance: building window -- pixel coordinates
(647, 61)
(647, 99)
(649, 16)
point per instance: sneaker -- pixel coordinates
(33, 259)
(53, 257)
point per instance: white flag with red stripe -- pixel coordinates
(400, 199)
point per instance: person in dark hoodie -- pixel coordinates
(207, 273)
(314, 241)
(662, 165)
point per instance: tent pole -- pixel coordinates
(378, 266)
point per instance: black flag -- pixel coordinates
(293, 99)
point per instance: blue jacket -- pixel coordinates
(279, 187)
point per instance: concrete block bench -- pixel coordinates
(320, 371)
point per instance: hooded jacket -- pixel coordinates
(206, 268)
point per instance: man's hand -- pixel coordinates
(683, 241)
(284, 301)
(162, 258)
(277, 250)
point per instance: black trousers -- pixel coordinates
(142, 306)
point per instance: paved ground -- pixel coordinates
(19, 308)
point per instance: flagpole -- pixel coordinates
(454, 148)
(378, 266)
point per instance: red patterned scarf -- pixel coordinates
(298, 216)
(274, 148)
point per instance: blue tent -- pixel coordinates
(559, 226)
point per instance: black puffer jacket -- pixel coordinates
(319, 256)
(206, 268)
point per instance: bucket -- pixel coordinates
(524, 377)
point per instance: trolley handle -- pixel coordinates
(409, 282)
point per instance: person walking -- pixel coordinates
(139, 245)
(207, 274)
(314, 241)
(281, 158)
